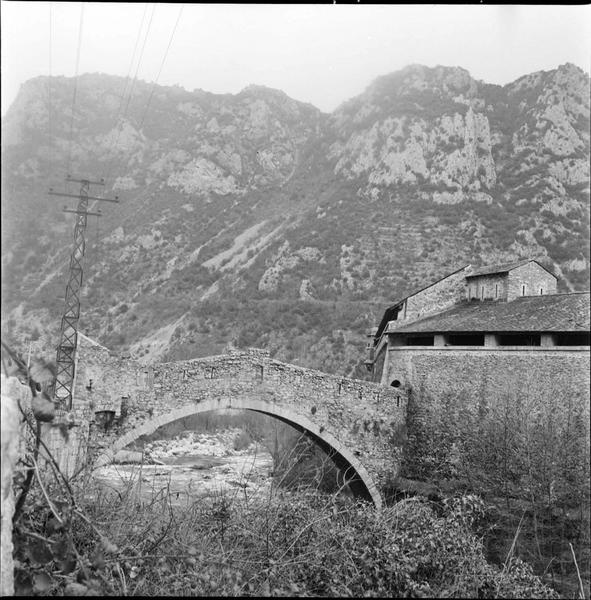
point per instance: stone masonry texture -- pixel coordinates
(488, 287)
(534, 277)
(548, 374)
(437, 297)
(458, 393)
(363, 422)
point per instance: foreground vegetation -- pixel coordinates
(527, 459)
(304, 544)
(73, 538)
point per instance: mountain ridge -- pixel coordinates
(236, 208)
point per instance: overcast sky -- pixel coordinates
(322, 54)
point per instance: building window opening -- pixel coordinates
(573, 338)
(496, 290)
(541, 291)
(523, 290)
(519, 339)
(466, 339)
(420, 340)
(482, 292)
(395, 383)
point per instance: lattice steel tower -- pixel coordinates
(69, 327)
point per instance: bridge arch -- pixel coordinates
(361, 483)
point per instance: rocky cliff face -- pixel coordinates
(418, 126)
(257, 219)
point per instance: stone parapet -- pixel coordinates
(362, 422)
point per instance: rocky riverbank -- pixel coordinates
(193, 465)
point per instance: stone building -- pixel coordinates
(510, 281)
(489, 332)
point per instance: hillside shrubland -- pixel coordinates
(425, 171)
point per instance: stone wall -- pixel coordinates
(479, 372)
(534, 277)
(495, 287)
(436, 298)
(102, 381)
(378, 366)
(362, 421)
(512, 423)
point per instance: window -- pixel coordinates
(423, 340)
(541, 291)
(496, 290)
(523, 289)
(519, 339)
(466, 339)
(572, 338)
(482, 292)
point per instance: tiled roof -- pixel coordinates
(503, 268)
(556, 312)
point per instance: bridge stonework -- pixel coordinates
(117, 399)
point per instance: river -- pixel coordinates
(190, 466)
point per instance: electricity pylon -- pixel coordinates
(66, 349)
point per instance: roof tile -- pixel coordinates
(503, 268)
(556, 312)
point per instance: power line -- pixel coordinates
(159, 70)
(135, 75)
(140, 59)
(49, 99)
(137, 40)
(161, 66)
(124, 91)
(80, 25)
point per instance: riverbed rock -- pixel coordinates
(128, 457)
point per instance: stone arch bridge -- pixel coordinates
(116, 400)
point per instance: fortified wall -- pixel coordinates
(548, 374)
(513, 350)
(469, 390)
